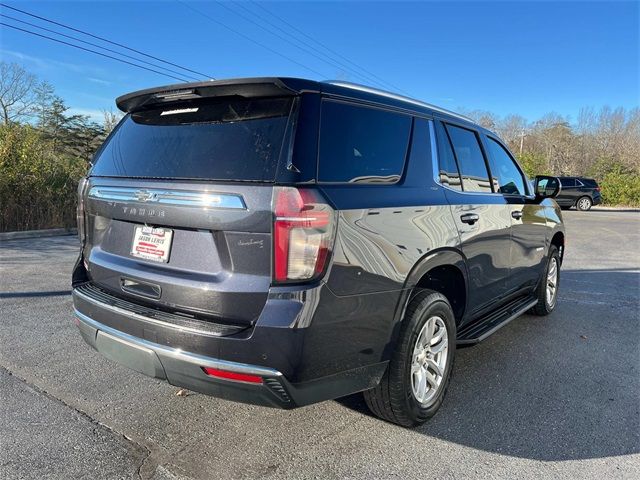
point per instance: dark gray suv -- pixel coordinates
(281, 241)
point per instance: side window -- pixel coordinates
(360, 144)
(448, 169)
(507, 178)
(567, 182)
(473, 168)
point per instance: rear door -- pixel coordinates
(481, 216)
(528, 222)
(178, 206)
(568, 193)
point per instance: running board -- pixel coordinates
(480, 329)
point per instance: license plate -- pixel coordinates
(152, 243)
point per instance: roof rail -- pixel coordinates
(395, 96)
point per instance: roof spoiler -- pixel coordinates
(245, 87)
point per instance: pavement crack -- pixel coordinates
(141, 448)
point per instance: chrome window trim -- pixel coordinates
(183, 198)
(435, 161)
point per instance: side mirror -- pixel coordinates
(546, 187)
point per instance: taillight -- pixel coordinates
(597, 189)
(82, 185)
(303, 229)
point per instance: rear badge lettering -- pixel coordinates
(142, 212)
(248, 243)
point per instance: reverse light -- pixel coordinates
(303, 230)
(228, 375)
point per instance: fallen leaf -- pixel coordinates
(583, 337)
(182, 392)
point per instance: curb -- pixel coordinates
(615, 209)
(51, 232)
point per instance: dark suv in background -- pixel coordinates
(580, 192)
(282, 241)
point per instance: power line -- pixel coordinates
(301, 32)
(330, 60)
(107, 41)
(246, 37)
(95, 45)
(92, 51)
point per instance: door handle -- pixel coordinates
(469, 218)
(517, 214)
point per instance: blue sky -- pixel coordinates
(506, 57)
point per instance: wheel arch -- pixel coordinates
(558, 240)
(446, 267)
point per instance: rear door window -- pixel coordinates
(449, 174)
(507, 177)
(473, 168)
(567, 182)
(360, 144)
(225, 139)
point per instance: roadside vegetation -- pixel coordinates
(45, 150)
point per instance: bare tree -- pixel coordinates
(17, 94)
(110, 121)
(43, 103)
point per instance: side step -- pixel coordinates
(481, 328)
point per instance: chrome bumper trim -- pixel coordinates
(177, 354)
(142, 318)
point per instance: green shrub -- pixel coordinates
(533, 164)
(621, 187)
(37, 186)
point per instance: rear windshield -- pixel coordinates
(232, 139)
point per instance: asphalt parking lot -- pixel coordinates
(557, 397)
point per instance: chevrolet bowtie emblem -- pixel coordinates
(144, 195)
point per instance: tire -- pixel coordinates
(395, 399)
(544, 305)
(584, 203)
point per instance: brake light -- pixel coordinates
(303, 230)
(228, 375)
(597, 189)
(80, 218)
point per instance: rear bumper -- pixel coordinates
(178, 355)
(597, 199)
(185, 369)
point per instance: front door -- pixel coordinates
(528, 223)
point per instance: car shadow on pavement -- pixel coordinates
(562, 387)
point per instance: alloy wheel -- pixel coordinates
(429, 360)
(584, 204)
(552, 282)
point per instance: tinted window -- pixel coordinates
(568, 182)
(507, 178)
(470, 159)
(361, 144)
(219, 140)
(448, 174)
(589, 182)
